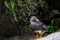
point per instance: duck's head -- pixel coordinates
(34, 19)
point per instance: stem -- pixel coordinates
(14, 16)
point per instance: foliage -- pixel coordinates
(11, 5)
(43, 4)
(22, 10)
(15, 15)
(53, 26)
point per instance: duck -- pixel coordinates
(38, 27)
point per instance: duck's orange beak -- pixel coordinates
(37, 19)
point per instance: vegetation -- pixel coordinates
(15, 15)
(52, 27)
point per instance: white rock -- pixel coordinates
(53, 36)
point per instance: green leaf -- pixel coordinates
(24, 14)
(27, 1)
(12, 4)
(51, 29)
(52, 21)
(15, 18)
(14, 15)
(7, 4)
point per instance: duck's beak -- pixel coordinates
(37, 19)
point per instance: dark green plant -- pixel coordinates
(52, 27)
(44, 8)
(43, 4)
(25, 9)
(11, 5)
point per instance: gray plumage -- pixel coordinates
(37, 25)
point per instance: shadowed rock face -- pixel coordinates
(7, 27)
(53, 36)
(26, 37)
